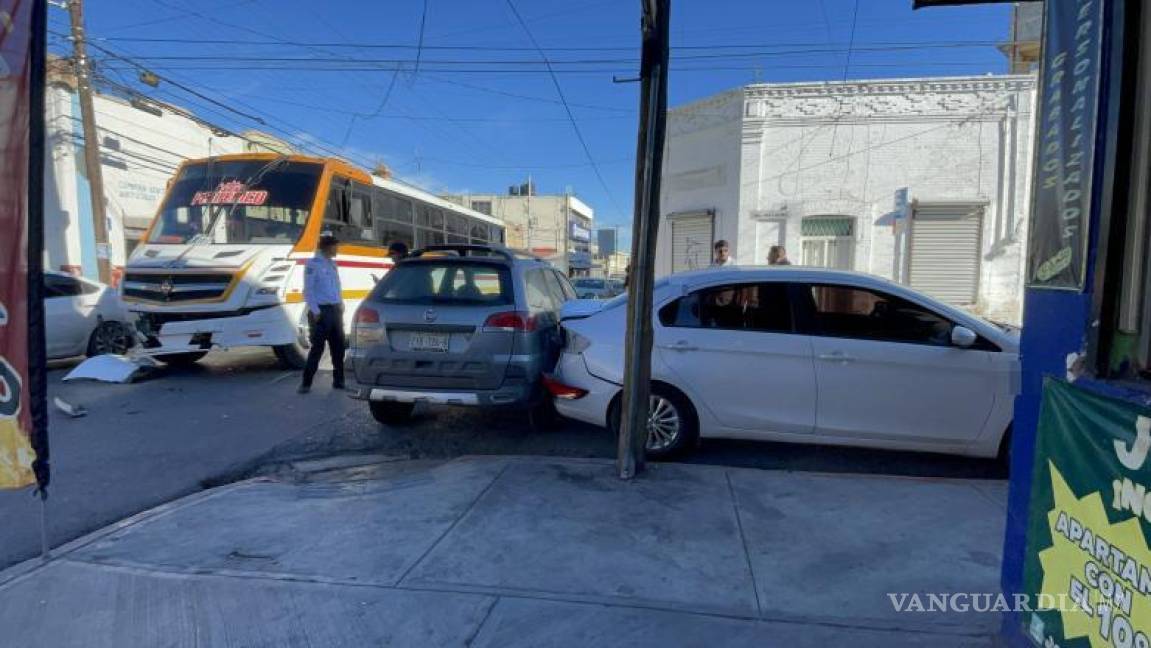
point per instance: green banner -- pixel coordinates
(1088, 565)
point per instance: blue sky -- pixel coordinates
(485, 116)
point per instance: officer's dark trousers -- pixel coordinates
(327, 327)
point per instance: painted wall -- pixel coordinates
(702, 168)
(844, 149)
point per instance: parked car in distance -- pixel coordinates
(802, 355)
(83, 317)
(471, 325)
(593, 288)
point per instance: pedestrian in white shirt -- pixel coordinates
(722, 256)
(325, 304)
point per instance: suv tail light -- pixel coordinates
(366, 328)
(365, 315)
(511, 321)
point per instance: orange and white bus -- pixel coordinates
(222, 264)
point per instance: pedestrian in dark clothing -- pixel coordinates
(325, 305)
(397, 250)
(777, 255)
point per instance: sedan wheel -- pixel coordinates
(672, 427)
(663, 424)
(109, 337)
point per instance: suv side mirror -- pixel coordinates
(963, 337)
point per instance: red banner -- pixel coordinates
(16, 454)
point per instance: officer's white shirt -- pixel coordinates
(321, 283)
(717, 264)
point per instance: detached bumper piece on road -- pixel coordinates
(526, 552)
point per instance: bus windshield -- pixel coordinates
(241, 201)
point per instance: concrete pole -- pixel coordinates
(649, 166)
(91, 141)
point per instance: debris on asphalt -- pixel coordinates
(74, 411)
(113, 368)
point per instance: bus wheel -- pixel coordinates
(181, 359)
(291, 356)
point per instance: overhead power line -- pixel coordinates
(509, 48)
(418, 60)
(567, 108)
(602, 70)
(190, 91)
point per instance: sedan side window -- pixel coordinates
(740, 307)
(844, 311)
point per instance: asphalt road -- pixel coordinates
(237, 413)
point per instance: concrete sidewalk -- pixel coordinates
(500, 551)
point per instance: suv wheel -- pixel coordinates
(390, 413)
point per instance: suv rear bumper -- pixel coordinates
(520, 394)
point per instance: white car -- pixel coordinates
(83, 317)
(801, 355)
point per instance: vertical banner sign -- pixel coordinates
(16, 430)
(1065, 144)
(1088, 564)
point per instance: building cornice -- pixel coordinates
(999, 83)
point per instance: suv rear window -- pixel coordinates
(449, 282)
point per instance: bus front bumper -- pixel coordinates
(176, 332)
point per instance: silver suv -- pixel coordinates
(473, 325)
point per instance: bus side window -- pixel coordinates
(360, 214)
(335, 213)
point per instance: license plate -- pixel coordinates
(428, 342)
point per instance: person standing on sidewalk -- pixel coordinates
(777, 255)
(325, 304)
(722, 254)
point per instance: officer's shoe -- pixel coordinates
(303, 389)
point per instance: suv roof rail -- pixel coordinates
(472, 250)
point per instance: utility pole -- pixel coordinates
(91, 140)
(567, 232)
(645, 229)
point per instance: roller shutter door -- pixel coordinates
(945, 244)
(691, 241)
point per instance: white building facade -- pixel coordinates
(139, 151)
(923, 181)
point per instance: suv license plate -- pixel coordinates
(428, 342)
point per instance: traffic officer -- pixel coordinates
(325, 306)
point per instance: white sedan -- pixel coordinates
(83, 317)
(801, 355)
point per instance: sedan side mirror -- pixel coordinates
(961, 336)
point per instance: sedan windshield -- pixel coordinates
(238, 202)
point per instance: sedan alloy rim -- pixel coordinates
(663, 424)
(110, 338)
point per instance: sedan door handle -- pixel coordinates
(836, 356)
(680, 346)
